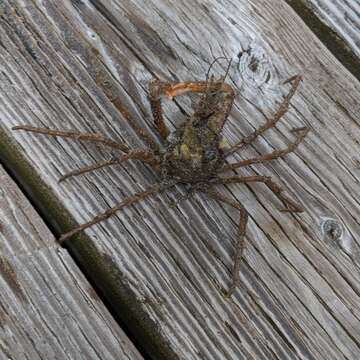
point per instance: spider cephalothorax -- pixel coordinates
(194, 155)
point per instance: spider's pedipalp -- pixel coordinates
(208, 103)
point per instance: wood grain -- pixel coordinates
(343, 16)
(47, 308)
(336, 24)
(63, 65)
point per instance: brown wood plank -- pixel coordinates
(169, 266)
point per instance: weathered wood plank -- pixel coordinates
(343, 16)
(337, 24)
(169, 266)
(47, 308)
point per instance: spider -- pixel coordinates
(194, 155)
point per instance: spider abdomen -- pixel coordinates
(193, 155)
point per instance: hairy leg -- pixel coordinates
(155, 92)
(91, 137)
(143, 134)
(240, 243)
(300, 134)
(270, 122)
(208, 103)
(290, 205)
(126, 202)
(147, 156)
(180, 198)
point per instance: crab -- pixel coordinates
(194, 155)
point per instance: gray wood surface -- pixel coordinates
(64, 65)
(47, 308)
(343, 16)
(336, 24)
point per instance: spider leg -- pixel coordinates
(155, 92)
(91, 137)
(270, 122)
(290, 205)
(300, 134)
(208, 88)
(180, 198)
(105, 215)
(143, 134)
(240, 243)
(144, 155)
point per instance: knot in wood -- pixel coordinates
(332, 230)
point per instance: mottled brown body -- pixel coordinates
(196, 150)
(194, 155)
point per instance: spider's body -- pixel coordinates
(190, 158)
(195, 152)
(194, 155)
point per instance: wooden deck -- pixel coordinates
(336, 23)
(47, 308)
(161, 270)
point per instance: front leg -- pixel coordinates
(156, 90)
(207, 104)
